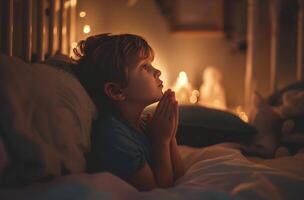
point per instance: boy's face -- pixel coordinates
(145, 86)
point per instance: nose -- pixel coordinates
(157, 72)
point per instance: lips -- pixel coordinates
(161, 84)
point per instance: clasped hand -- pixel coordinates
(162, 126)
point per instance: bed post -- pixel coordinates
(7, 27)
(72, 22)
(275, 8)
(51, 28)
(40, 29)
(27, 23)
(60, 25)
(252, 30)
(68, 27)
(300, 50)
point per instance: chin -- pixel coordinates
(161, 94)
(157, 98)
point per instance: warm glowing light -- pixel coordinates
(193, 99)
(55, 30)
(67, 4)
(74, 45)
(183, 89)
(73, 2)
(241, 113)
(82, 14)
(86, 29)
(212, 92)
(64, 30)
(182, 79)
(195, 92)
(194, 96)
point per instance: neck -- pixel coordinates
(130, 113)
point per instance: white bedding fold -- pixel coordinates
(216, 172)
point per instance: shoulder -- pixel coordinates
(110, 128)
(109, 122)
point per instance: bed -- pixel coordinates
(214, 172)
(45, 124)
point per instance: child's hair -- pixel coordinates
(107, 58)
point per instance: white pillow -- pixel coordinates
(45, 118)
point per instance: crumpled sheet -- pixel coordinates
(215, 172)
(224, 168)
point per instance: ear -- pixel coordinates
(114, 91)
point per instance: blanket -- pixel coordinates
(215, 172)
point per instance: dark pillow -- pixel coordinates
(200, 126)
(60, 61)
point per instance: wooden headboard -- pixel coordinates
(36, 29)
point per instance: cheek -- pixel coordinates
(143, 88)
(146, 90)
(142, 83)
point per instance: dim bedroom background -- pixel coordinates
(46, 117)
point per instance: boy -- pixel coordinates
(116, 71)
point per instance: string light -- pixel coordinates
(82, 14)
(86, 29)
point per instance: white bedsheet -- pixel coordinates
(224, 168)
(215, 172)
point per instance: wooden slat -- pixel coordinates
(68, 27)
(7, 27)
(60, 25)
(40, 29)
(275, 8)
(251, 51)
(51, 28)
(300, 50)
(28, 27)
(72, 28)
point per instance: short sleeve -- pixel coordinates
(118, 152)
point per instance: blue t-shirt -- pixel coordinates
(121, 149)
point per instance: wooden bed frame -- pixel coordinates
(36, 29)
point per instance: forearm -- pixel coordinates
(162, 166)
(177, 163)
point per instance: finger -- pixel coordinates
(175, 114)
(161, 102)
(175, 106)
(177, 111)
(163, 109)
(171, 112)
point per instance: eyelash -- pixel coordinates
(146, 67)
